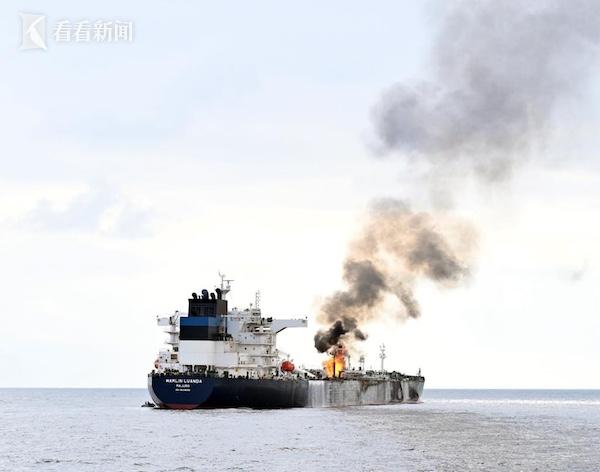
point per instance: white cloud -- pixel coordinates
(99, 209)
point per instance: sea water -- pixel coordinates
(452, 430)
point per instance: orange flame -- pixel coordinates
(336, 364)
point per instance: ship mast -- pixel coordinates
(225, 285)
(257, 300)
(382, 355)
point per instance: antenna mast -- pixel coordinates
(382, 355)
(257, 299)
(225, 285)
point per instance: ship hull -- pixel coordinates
(189, 392)
(328, 393)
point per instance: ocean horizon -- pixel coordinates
(93, 429)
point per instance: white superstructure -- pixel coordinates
(237, 343)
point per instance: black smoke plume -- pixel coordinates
(499, 70)
(395, 248)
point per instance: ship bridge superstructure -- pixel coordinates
(213, 340)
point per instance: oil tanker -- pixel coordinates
(221, 358)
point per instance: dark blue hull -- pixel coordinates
(191, 391)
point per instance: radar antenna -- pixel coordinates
(225, 285)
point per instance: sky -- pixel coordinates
(238, 138)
